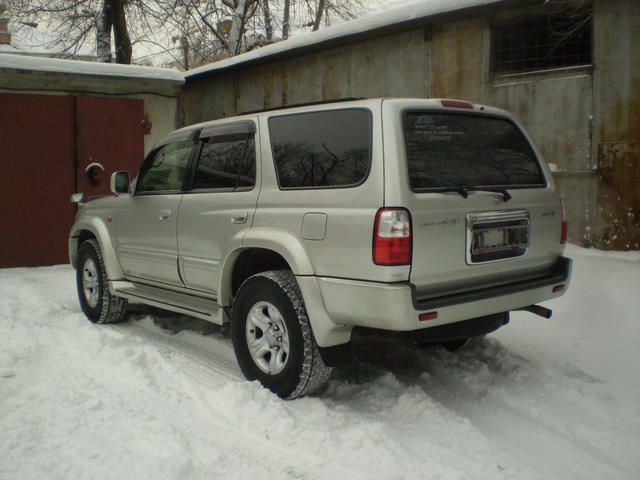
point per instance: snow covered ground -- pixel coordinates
(153, 398)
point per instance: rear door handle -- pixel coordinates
(239, 218)
(164, 215)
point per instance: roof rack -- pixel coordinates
(306, 104)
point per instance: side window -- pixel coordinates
(165, 170)
(227, 162)
(322, 149)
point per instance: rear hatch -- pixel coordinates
(484, 210)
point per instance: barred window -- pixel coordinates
(541, 43)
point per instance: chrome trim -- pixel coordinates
(476, 218)
(239, 218)
(93, 165)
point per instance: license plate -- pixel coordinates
(492, 239)
(498, 235)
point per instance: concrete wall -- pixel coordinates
(616, 128)
(369, 69)
(586, 122)
(161, 98)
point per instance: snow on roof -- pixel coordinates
(43, 64)
(412, 11)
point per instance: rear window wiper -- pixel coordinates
(452, 186)
(506, 196)
(461, 189)
(464, 191)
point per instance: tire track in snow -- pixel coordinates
(541, 444)
(207, 360)
(206, 367)
(519, 406)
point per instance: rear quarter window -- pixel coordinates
(446, 150)
(327, 149)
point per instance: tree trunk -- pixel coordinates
(268, 22)
(103, 33)
(120, 32)
(237, 26)
(285, 19)
(319, 13)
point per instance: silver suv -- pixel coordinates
(423, 219)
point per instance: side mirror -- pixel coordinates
(120, 182)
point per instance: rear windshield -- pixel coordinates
(446, 150)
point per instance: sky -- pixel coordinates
(35, 40)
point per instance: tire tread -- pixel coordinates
(112, 308)
(314, 373)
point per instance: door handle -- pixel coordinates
(164, 215)
(239, 218)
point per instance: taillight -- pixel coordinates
(563, 231)
(392, 237)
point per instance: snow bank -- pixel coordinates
(392, 16)
(79, 67)
(160, 396)
(8, 49)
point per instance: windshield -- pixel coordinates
(446, 150)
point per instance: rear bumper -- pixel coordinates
(394, 306)
(451, 331)
(560, 274)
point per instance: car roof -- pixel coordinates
(417, 103)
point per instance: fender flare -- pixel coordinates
(327, 333)
(284, 243)
(99, 230)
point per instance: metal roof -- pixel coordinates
(79, 67)
(406, 17)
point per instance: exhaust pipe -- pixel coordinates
(538, 310)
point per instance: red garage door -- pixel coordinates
(110, 133)
(46, 143)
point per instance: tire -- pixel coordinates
(269, 314)
(96, 301)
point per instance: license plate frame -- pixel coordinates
(497, 236)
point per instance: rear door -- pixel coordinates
(465, 237)
(219, 203)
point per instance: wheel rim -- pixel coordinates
(90, 282)
(267, 338)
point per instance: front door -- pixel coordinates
(146, 222)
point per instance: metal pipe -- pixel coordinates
(538, 310)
